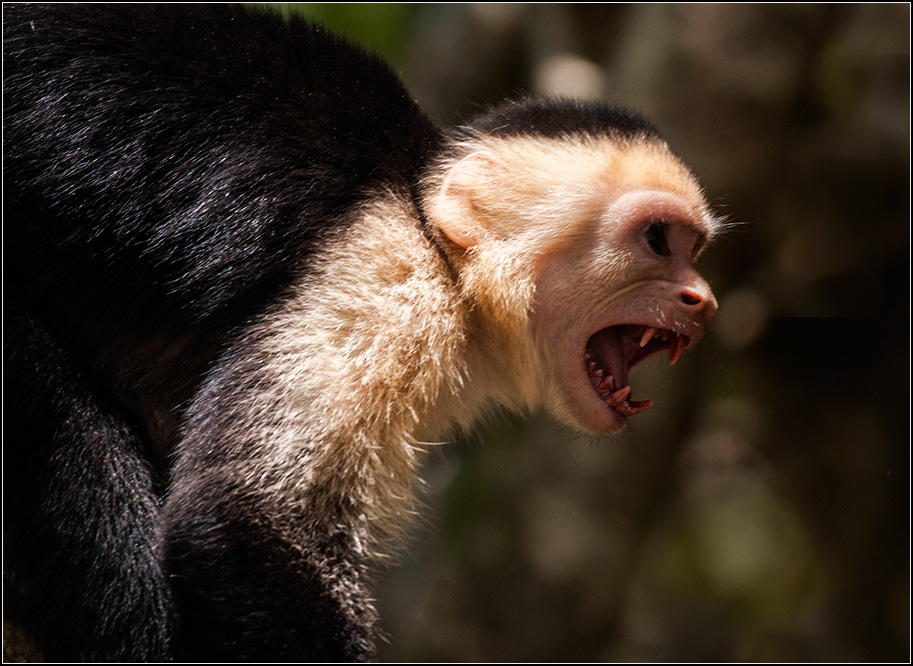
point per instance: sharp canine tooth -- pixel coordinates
(637, 407)
(648, 334)
(676, 348)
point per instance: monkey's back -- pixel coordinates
(179, 161)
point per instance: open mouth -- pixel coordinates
(611, 354)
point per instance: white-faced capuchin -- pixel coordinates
(246, 278)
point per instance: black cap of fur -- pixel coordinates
(555, 118)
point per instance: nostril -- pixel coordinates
(692, 298)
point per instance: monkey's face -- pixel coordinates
(621, 292)
(578, 256)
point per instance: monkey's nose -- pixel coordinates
(699, 302)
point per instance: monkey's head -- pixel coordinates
(574, 229)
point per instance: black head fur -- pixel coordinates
(557, 118)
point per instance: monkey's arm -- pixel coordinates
(246, 592)
(299, 456)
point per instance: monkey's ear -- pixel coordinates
(465, 184)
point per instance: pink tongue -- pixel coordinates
(609, 353)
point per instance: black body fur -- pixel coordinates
(167, 170)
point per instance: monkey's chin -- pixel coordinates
(600, 396)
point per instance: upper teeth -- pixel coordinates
(676, 347)
(648, 334)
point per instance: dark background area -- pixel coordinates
(760, 510)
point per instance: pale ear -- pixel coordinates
(461, 222)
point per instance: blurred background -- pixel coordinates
(760, 510)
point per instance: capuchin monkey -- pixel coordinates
(246, 280)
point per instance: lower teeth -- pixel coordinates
(616, 399)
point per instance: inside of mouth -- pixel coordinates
(613, 352)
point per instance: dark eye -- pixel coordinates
(656, 237)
